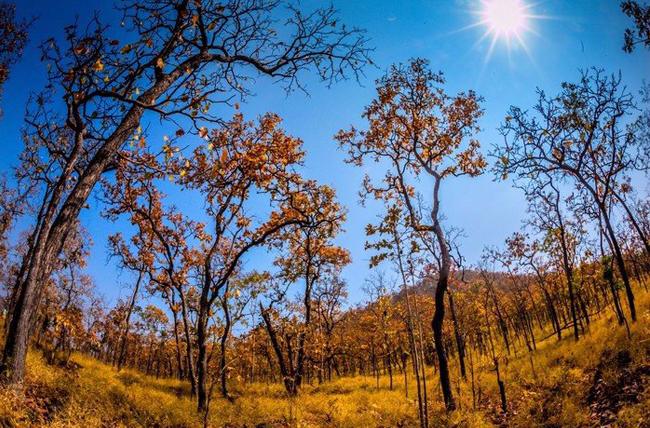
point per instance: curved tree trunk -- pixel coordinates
(54, 226)
(439, 314)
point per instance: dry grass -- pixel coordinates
(560, 393)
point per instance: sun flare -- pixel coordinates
(505, 18)
(507, 21)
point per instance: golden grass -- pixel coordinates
(96, 395)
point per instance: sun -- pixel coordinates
(507, 21)
(504, 18)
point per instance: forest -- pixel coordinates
(177, 251)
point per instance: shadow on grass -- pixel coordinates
(128, 379)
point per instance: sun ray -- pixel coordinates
(506, 21)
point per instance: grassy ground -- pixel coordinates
(603, 379)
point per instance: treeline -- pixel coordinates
(493, 316)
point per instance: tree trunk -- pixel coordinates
(127, 324)
(441, 288)
(618, 255)
(223, 348)
(188, 345)
(459, 338)
(51, 233)
(202, 344)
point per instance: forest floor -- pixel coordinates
(602, 380)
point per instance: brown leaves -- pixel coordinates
(415, 128)
(415, 125)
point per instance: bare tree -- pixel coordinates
(580, 137)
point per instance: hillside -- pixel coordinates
(603, 379)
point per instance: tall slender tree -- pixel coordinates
(417, 130)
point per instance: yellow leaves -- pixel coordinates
(470, 161)
(168, 151)
(98, 65)
(160, 63)
(126, 49)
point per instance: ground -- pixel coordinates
(603, 380)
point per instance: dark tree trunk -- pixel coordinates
(439, 313)
(188, 345)
(459, 337)
(53, 227)
(620, 262)
(502, 387)
(223, 348)
(287, 377)
(202, 344)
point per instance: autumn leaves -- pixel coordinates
(417, 132)
(245, 173)
(173, 62)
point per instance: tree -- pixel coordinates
(13, 37)
(640, 34)
(580, 137)
(309, 255)
(530, 254)
(236, 297)
(396, 242)
(238, 160)
(154, 320)
(163, 241)
(129, 261)
(11, 208)
(416, 128)
(243, 158)
(174, 60)
(68, 288)
(329, 296)
(562, 236)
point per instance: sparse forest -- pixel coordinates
(171, 256)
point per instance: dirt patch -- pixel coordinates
(616, 383)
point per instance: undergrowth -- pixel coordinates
(602, 379)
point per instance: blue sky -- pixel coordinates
(573, 35)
